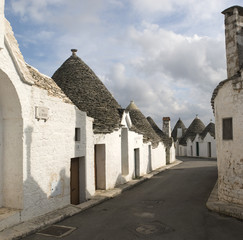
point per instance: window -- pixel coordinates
(77, 134)
(227, 129)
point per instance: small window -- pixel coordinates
(227, 129)
(77, 134)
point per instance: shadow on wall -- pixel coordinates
(120, 180)
(36, 201)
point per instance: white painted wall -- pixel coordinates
(49, 147)
(183, 150)
(203, 146)
(135, 141)
(112, 143)
(11, 156)
(158, 156)
(228, 103)
(172, 153)
(35, 157)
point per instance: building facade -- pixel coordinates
(196, 140)
(38, 145)
(227, 102)
(65, 137)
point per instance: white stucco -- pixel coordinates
(35, 155)
(228, 103)
(49, 147)
(203, 145)
(158, 156)
(112, 144)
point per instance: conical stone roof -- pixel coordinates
(179, 124)
(88, 93)
(141, 125)
(165, 139)
(210, 128)
(196, 127)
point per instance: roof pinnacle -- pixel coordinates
(74, 51)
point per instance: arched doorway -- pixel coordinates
(11, 145)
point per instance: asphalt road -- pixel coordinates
(170, 206)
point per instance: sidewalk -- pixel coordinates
(32, 226)
(229, 209)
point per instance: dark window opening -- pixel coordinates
(227, 129)
(77, 134)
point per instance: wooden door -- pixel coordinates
(74, 181)
(100, 167)
(136, 163)
(197, 148)
(209, 149)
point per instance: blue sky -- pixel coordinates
(166, 55)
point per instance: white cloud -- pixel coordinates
(166, 55)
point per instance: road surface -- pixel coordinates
(171, 205)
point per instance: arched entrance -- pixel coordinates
(11, 145)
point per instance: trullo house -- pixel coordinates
(42, 136)
(227, 103)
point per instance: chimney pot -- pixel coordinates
(166, 126)
(74, 51)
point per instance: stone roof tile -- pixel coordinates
(141, 125)
(89, 94)
(210, 128)
(179, 124)
(196, 127)
(165, 139)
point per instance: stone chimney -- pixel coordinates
(2, 29)
(74, 52)
(166, 126)
(234, 39)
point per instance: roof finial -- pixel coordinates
(74, 51)
(197, 116)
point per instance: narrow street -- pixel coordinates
(170, 206)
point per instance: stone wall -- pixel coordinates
(234, 41)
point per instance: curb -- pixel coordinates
(29, 227)
(228, 209)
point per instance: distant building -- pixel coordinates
(177, 133)
(195, 141)
(227, 103)
(166, 139)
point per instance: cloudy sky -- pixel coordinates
(166, 55)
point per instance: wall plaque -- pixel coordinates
(41, 113)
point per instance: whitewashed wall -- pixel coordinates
(172, 153)
(135, 141)
(49, 147)
(188, 148)
(112, 143)
(158, 156)
(183, 150)
(203, 146)
(228, 103)
(12, 128)
(36, 154)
